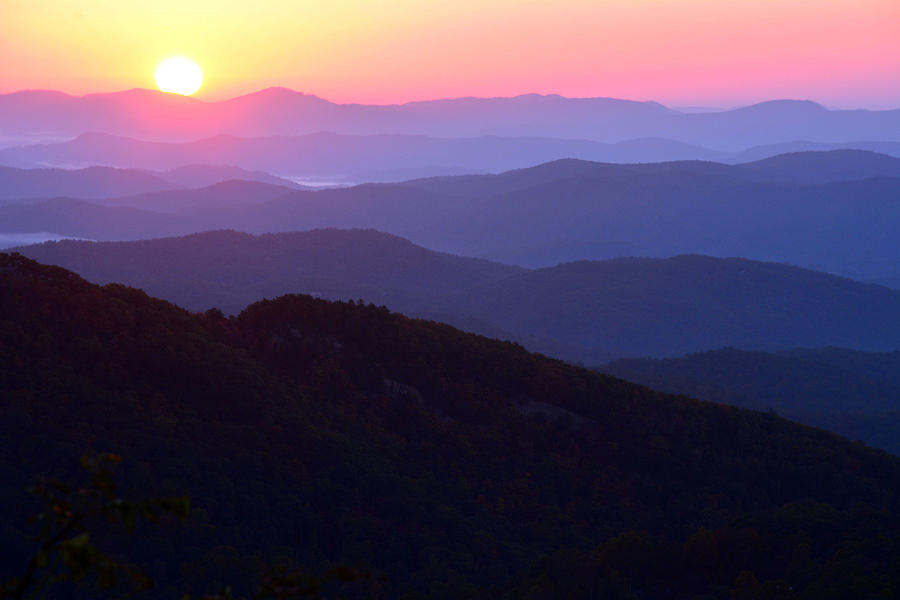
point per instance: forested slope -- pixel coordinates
(312, 432)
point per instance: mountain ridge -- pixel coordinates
(104, 183)
(350, 157)
(581, 311)
(856, 394)
(283, 90)
(570, 210)
(146, 113)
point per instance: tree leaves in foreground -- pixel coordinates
(66, 551)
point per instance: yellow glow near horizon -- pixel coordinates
(682, 52)
(179, 75)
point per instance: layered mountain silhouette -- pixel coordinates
(856, 394)
(445, 464)
(769, 150)
(839, 219)
(104, 182)
(203, 202)
(386, 157)
(230, 270)
(279, 111)
(687, 303)
(201, 175)
(585, 311)
(381, 158)
(89, 183)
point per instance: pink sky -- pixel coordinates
(843, 53)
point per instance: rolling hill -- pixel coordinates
(96, 183)
(824, 167)
(389, 157)
(89, 183)
(589, 310)
(204, 202)
(856, 394)
(659, 307)
(355, 158)
(230, 270)
(203, 175)
(68, 217)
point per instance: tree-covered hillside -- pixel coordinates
(310, 432)
(856, 394)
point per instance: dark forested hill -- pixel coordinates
(856, 394)
(579, 311)
(452, 464)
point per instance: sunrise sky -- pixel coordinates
(843, 53)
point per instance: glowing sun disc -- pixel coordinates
(179, 75)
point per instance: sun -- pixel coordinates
(179, 75)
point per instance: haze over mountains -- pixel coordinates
(385, 157)
(299, 136)
(831, 211)
(104, 182)
(390, 157)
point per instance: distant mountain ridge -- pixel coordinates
(387, 157)
(88, 183)
(352, 157)
(839, 220)
(278, 111)
(99, 182)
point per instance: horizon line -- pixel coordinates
(684, 108)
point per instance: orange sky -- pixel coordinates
(682, 52)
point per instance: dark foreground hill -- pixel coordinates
(856, 394)
(585, 311)
(457, 466)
